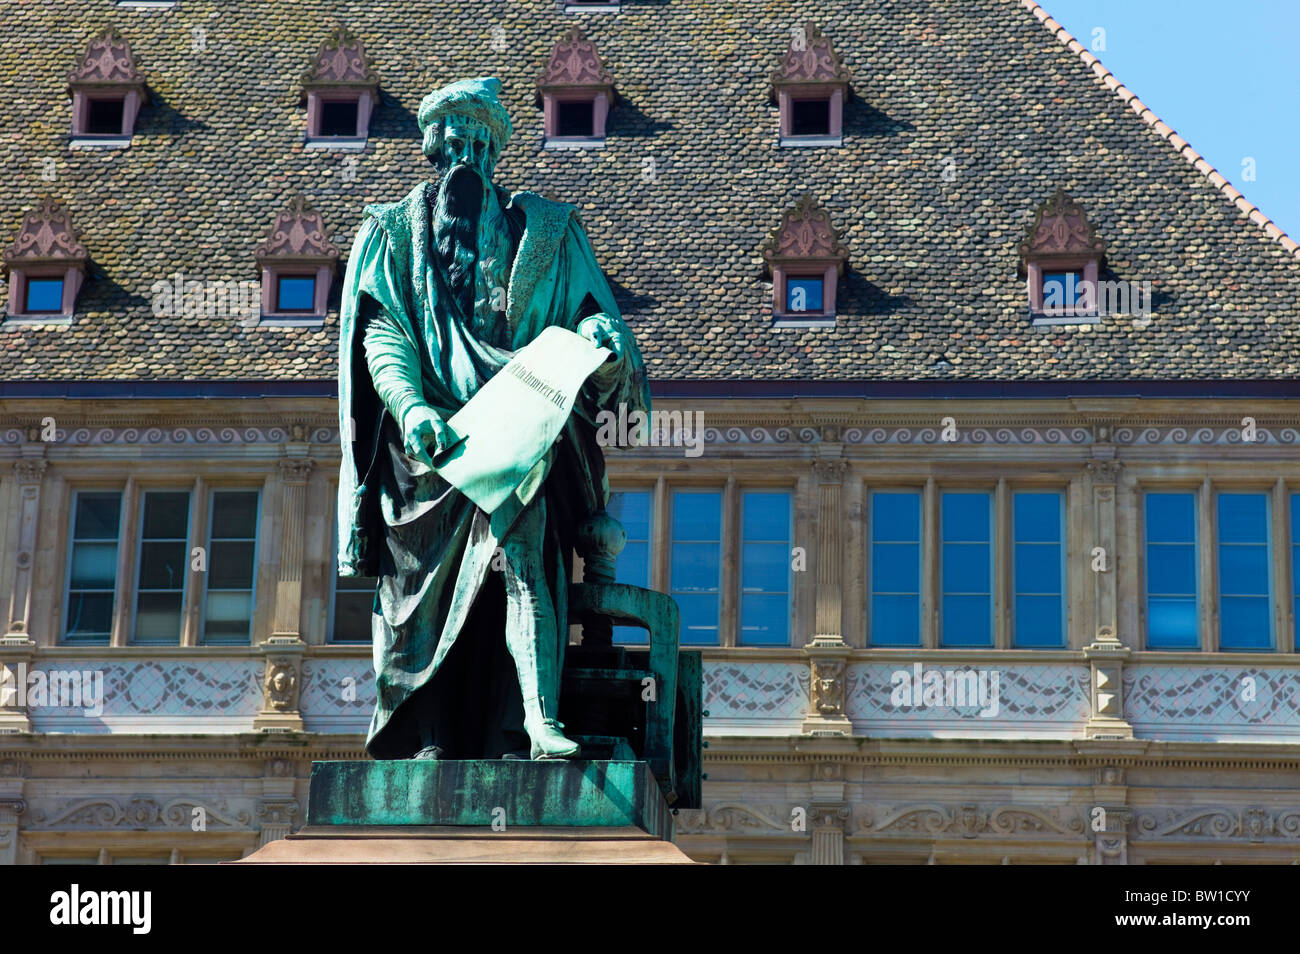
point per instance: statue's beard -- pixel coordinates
(469, 230)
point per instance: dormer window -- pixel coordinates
(585, 6)
(810, 87)
(575, 93)
(1060, 258)
(46, 265)
(806, 258)
(341, 90)
(297, 262)
(107, 89)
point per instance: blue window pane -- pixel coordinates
(1243, 518)
(764, 619)
(1171, 570)
(965, 517)
(1295, 566)
(1245, 583)
(631, 508)
(1243, 570)
(766, 515)
(896, 517)
(1038, 568)
(1171, 518)
(44, 294)
(1171, 622)
(895, 620)
(697, 516)
(1038, 621)
(803, 294)
(896, 568)
(1037, 517)
(765, 567)
(695, 567)
(699, 618)
(1246, 622)
(1062, 288)
(695, 563)
(966, 570)
(967, 621)
(296, 293)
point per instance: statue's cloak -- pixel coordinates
(429, 546)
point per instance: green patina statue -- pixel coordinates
(443, 288)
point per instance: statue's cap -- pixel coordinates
(477, 98)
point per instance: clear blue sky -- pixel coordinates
(1225, 74)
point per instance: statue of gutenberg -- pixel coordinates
(470, 618)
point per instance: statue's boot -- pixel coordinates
(532, 641)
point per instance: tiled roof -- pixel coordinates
(964, 118)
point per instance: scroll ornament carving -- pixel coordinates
(968, 820)
(107, 60)
(47, 236)
(298, 234)
(575, 62)
(805, 234)
(810, 58)
(341, 61)
(139, 814)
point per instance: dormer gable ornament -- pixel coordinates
(298, 235)
(810, 85)
(46, 264)
(575, 92)
(341, 91)
(297, 262)
(341, 61)
(1060, 259)
(575, 63)
(47, 237)
(107, 89)
(1060, 230)
(806, 255)
(805, 235)
(810, 58)
(108, 61)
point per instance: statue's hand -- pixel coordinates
(604, 333)
(423, 430)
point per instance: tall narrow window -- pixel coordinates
(696, 563)
(232, 566)
(1171, 571)
(92, 566)
(1295, 567)
(354, 598)
(162, 567)
(632, 508)
(765, 568)
(896, 568)
(966, 570)
(1039, 569)
(1245, 593)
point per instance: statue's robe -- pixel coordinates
(429, 545)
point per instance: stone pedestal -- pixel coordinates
(480, 812)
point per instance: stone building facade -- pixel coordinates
(856, 502)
